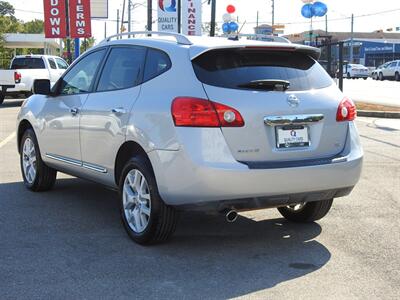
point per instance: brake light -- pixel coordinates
(17, 77)
(346, 111)
(196, 112)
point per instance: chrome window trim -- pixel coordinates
(293, 119)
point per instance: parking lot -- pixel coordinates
(69, 242)
(373, 91)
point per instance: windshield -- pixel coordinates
(236, 68)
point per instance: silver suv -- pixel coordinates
(207, 123)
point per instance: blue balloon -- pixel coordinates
(225, 27)
(319, 9)
(307, 11)
(233, 26)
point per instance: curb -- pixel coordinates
(378, 114)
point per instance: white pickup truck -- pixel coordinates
(25, 69)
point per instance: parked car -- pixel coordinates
(197, 123)
(355, 71)
(375, 73)
(25, 69)
(390, 70)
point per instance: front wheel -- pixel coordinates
(145, 216)
(397, 76)
(37, 176)
(381, 78)
(306, 212)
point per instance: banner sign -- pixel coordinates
(55, 25)
(79, 18)
(191, 17)
(167, 16)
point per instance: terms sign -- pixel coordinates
(79, 16)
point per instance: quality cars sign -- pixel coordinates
(167, 16)
(55, 24)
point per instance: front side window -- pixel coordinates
(393, 64)
(123, 69)
(61, 64)
(80, 78)
(52, 63)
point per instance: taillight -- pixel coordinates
(196, 112)
(346, 111)
(17, 77)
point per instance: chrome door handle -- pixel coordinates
(118, 111)
(74, 111)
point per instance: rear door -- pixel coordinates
(311, 97)
(106, 112)
(53, 71)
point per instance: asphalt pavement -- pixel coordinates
(69, 243)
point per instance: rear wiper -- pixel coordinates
(267, 84)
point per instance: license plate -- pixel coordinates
(292, 136)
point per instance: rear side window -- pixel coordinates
(28, 63)
(123, 69)
(157, 62)
(52, 63)
(230, 68)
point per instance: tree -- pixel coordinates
(35, 26)
(206, 28)
(6, 9)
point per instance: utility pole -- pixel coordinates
(213, 12)
(351, 39)
(179, 15)
(129, 17)
(273, 16)
(257, 20)
(326, 24)
(105, 30)
(149, 15)
(117, 21)
(122, 18)
(69, 58)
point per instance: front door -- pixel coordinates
(105, 114)
(60, 135)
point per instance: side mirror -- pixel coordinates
(41, 87)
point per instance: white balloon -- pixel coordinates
(227, 18)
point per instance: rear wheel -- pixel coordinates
(306, 212)
(348, 75)
(365, 78)
(37, 176)
(145, 216)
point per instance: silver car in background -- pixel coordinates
(203, 123)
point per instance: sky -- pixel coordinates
(369, 15)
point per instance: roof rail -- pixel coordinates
(180, 38)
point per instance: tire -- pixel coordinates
(2, 97)
(381, 78)
(155, 222)
(42, 178)
(397, 76)
(348, 75)
(365, 78)
(308, 212)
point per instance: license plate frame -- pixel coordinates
(292, 136)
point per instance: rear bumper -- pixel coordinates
(18, 88)
(205, 172)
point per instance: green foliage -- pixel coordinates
(6, 9)
(35, 26)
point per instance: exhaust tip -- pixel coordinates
(231, 216)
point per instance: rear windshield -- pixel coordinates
(230, 68)
(28, 63)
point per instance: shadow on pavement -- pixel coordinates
(11, 103)
(70, 242)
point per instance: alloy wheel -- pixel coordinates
(136, 201)
(29, 164)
